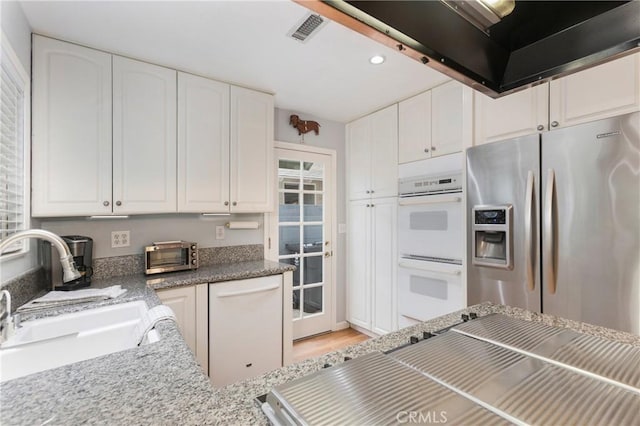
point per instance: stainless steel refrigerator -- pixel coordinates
(553, 222)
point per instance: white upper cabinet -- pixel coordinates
(451, 118)
(434, 123)
(203, 144)
(610, 89)
(372, 155)
(71, 142)
(251, 150)
(144, 137)
(518, 114)
(414, 128)
(606, 90)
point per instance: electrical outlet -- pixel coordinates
(120, 239)
(219, 232)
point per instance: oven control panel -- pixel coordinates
(433, 184)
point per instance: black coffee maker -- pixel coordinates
(82, 251)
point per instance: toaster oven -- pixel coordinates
(168, 256)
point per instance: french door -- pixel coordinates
(304, 229)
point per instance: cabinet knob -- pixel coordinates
(433, 148)
(554, 124)
(372, 191)
(234, 203)
(426, 150)
(106, 204)
(118, 203)
(226, 203)
(368, 191)
(368, 205)
(372, 205)
(540, 127)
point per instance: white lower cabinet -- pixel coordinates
(245, 328)
(372, 264)
(190, 305)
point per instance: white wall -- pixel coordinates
(18, 32)
(332, 136)
(146, 229)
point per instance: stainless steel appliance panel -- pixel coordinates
(591, 223)
(507, 173)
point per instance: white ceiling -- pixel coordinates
(244, 42)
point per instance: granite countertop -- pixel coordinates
(153, 384)
(162, 383)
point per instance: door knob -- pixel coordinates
(327, 254)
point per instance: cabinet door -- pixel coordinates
(245, 328)
(359, 265)
(518, 114)
(191, 307)
(384, 261)
(414, 128)
(384, 151)
(144, 137)
(604, 91)
(251, 150)
(203, 145)
(448, 118)
(71, 144)
(359, 158)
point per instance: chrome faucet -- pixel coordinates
(69, 271)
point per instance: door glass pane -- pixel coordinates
(313, 238)
(313, 269)
(312, 207)
(289, 207)
(289, 240)
(289, 174)
(296, 304)
(312, 300)
(296, 274)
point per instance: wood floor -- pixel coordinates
(323, 344)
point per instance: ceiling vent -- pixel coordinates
(308, 27)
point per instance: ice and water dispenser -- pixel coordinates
(492, 236)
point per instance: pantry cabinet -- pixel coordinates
(71, 130)
(203, 144)
(371, 250)
(144, 137)
(372, 155)
(606, 90)
(436, 122)
(191, 308)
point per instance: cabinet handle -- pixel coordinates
(234, 203)
(251, 291)
(554, 124)
(540, 127)
(226, 203)
(118, 203)
(426, 150)
(106, 204)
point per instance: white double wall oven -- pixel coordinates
(430, 242)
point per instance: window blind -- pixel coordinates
(12, 191)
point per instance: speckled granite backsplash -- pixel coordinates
(109, 267)
(25, 287)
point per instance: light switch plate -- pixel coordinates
(219, 232)
(120, 239)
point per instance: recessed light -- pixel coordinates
(377, 59)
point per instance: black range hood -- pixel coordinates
(538, 41)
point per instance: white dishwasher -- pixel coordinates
(245, 328)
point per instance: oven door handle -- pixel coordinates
(428, 200)
(428, 269)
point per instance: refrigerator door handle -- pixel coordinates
(549, 237)
(529, 250)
